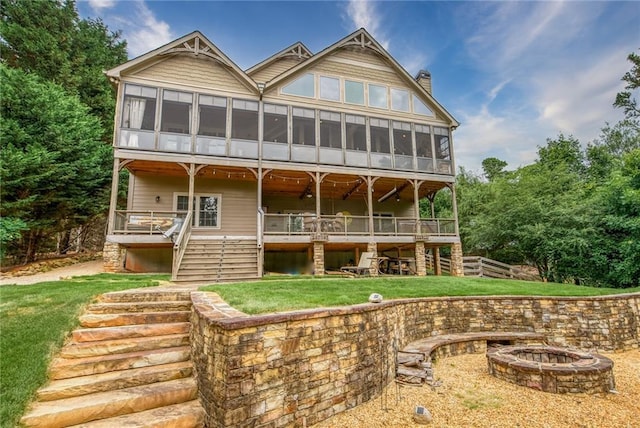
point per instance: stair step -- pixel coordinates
(183, 415)
(129, 331)
(64, 368)
(122, 346)
(113, 320)
(90, 384)
(116, 308)
(101, 405)
(145, 296)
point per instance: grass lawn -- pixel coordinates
(290, 293)
(34, 320)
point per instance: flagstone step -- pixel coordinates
(116, 308)
(129, 331)
(113, 320)
(63, 368)
(184, 415)
(101, 405)
(120, 346)
(145, 295)
(90, 384)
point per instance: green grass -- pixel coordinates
(34, 320)
(277, 295)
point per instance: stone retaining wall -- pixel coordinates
(298, 368)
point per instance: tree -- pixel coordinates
(624, 99)
(493, 168)
(54, 168)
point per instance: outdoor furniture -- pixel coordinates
(363, 265)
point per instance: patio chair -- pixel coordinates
(363, 265)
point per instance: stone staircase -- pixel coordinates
(128, 365)
(218, 260)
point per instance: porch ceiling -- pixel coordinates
(293, 183)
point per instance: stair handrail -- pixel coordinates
(180, 245)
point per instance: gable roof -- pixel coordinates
(297, 50)
(361, 38)
(194, 43)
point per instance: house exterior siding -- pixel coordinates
(261, 155)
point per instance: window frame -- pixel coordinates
(196, 208)
(313, 86)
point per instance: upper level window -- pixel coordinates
(303, 86)
(330, 130)
(329, 88)
(139, 107)
(421, 108)
(402, 139)
(443, 149)
(304, 126)
(213, 116)
(399, 100)
(379, 129)
(356, 133)
(423, 141)
(378, 96)
(354, 92)
(176, 112)
(244, 120)
(275, 123)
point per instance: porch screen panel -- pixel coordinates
(212, 125)
(304, 135)
(355, 141)
(380, 143)
(443, 150)
(244, 129)
(175, 123)
(423, 148)
(402, 145)
(275, 142)
(330, 138)
(138, 117)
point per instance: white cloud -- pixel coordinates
(142, 30)
(98, 5)
(146, 32)
(564, 73)
(364, 14)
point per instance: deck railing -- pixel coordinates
(309, 223)
(180, 245)
(145, 222)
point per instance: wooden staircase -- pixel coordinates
(218, 260)
(128, 365)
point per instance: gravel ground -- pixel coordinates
(470, 397)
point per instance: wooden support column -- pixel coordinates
(416, 203)
(318, 208)
(454, 204)
(436, 261)
(192, 173)
(370, 203)
(113, 202)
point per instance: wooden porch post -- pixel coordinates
(454, 204)
(436, 261)
(192, 168)
(318, 195)
(113, 202)
(370, 203)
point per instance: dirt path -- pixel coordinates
(86, 268)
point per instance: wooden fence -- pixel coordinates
(483, 267)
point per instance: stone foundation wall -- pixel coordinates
(298, 368)
(113, 257)
(457, 266)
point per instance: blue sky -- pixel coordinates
(513, 73)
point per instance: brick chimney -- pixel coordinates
(424, 79)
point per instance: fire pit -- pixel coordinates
(552, 369)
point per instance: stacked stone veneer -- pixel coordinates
(113, 257)
(298, 368)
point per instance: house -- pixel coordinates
(298, 164)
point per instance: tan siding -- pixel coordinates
(183, 69)
(274, 69)
(238, 204)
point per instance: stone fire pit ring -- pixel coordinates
(552, 369)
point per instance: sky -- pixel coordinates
(514, 74)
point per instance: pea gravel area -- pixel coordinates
(470, 397)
